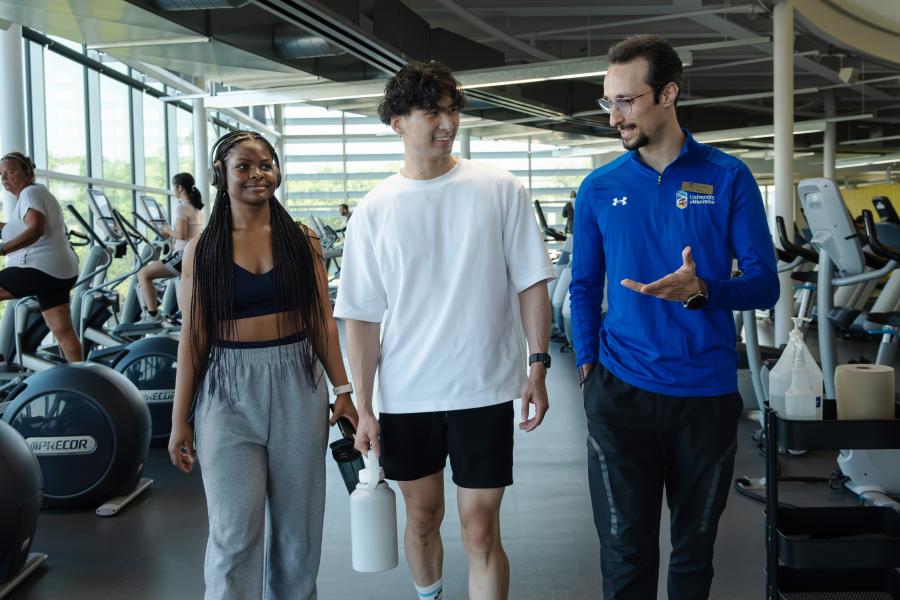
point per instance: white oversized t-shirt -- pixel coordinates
(51, 253)
(440, 263)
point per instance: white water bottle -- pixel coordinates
(373, 521)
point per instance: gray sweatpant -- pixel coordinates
(260, 432)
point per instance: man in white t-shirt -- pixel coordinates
(443, 266)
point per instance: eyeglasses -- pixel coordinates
(623, 105)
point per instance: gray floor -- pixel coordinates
(154, 550)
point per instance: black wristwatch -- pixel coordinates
(696, 301)
(541, 357)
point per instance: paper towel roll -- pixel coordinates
(864, 391)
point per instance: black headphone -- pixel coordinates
(217, 177)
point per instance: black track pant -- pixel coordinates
(640, 442)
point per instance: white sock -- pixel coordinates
(435, 591)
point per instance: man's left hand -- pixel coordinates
(677, 286)
(534, 392)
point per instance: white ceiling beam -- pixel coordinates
(738, 63)
(173, 81)
(731, 29)
(576, 68)
(168, 41)
(724, 135)
(531, 35)
(867, 161)
(498, 34)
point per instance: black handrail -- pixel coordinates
(150, 225)
(134, 230)
(87, 227)
(121, 221)
(888, 252)
(787, 244)
(548, 231)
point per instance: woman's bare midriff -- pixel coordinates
(262, 329)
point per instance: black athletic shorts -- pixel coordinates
(173, 264)
(479, 442)
(25, 281)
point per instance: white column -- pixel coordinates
(201, 155)
(465, 144)
(830, 150)
(12, 101)
(280, 148)
(783, 59)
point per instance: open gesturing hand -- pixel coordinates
(677, 286)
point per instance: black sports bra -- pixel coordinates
(254, 293)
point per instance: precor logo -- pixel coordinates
(620, 201)
(56, 446)
(158, 396)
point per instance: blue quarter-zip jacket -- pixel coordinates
(633, 223)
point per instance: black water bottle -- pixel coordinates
(348, 459)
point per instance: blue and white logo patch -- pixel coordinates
(683, 199)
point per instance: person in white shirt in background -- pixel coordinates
(39, 260)
(443, 267)
(188, 223)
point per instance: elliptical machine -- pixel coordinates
(154, 221)
(871, 473)
(148, 362)
(149, 250)
(86, 424)
(559, 287)
(20, 507)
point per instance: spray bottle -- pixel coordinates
(780, 378)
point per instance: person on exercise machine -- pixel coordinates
(188, 223)
(39, 260)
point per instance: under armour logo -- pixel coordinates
(620, 201)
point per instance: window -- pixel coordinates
(115, 130)
(66, 139)
(154, 143)
(184, 123)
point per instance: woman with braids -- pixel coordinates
(258, 326)
(39, 260)
(188, 223)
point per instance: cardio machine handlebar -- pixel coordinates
(787, 244)
(128, 238)
(550, 232)
(126, 224)
(87, 227)
(887, 252)
(150, 226)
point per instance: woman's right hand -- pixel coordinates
(368, 434)
(181, 447)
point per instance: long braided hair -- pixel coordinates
(295, 261)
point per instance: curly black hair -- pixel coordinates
(419, 85)
(664, 63)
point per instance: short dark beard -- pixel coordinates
(641, 141)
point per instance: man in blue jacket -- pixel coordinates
(662, 225)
